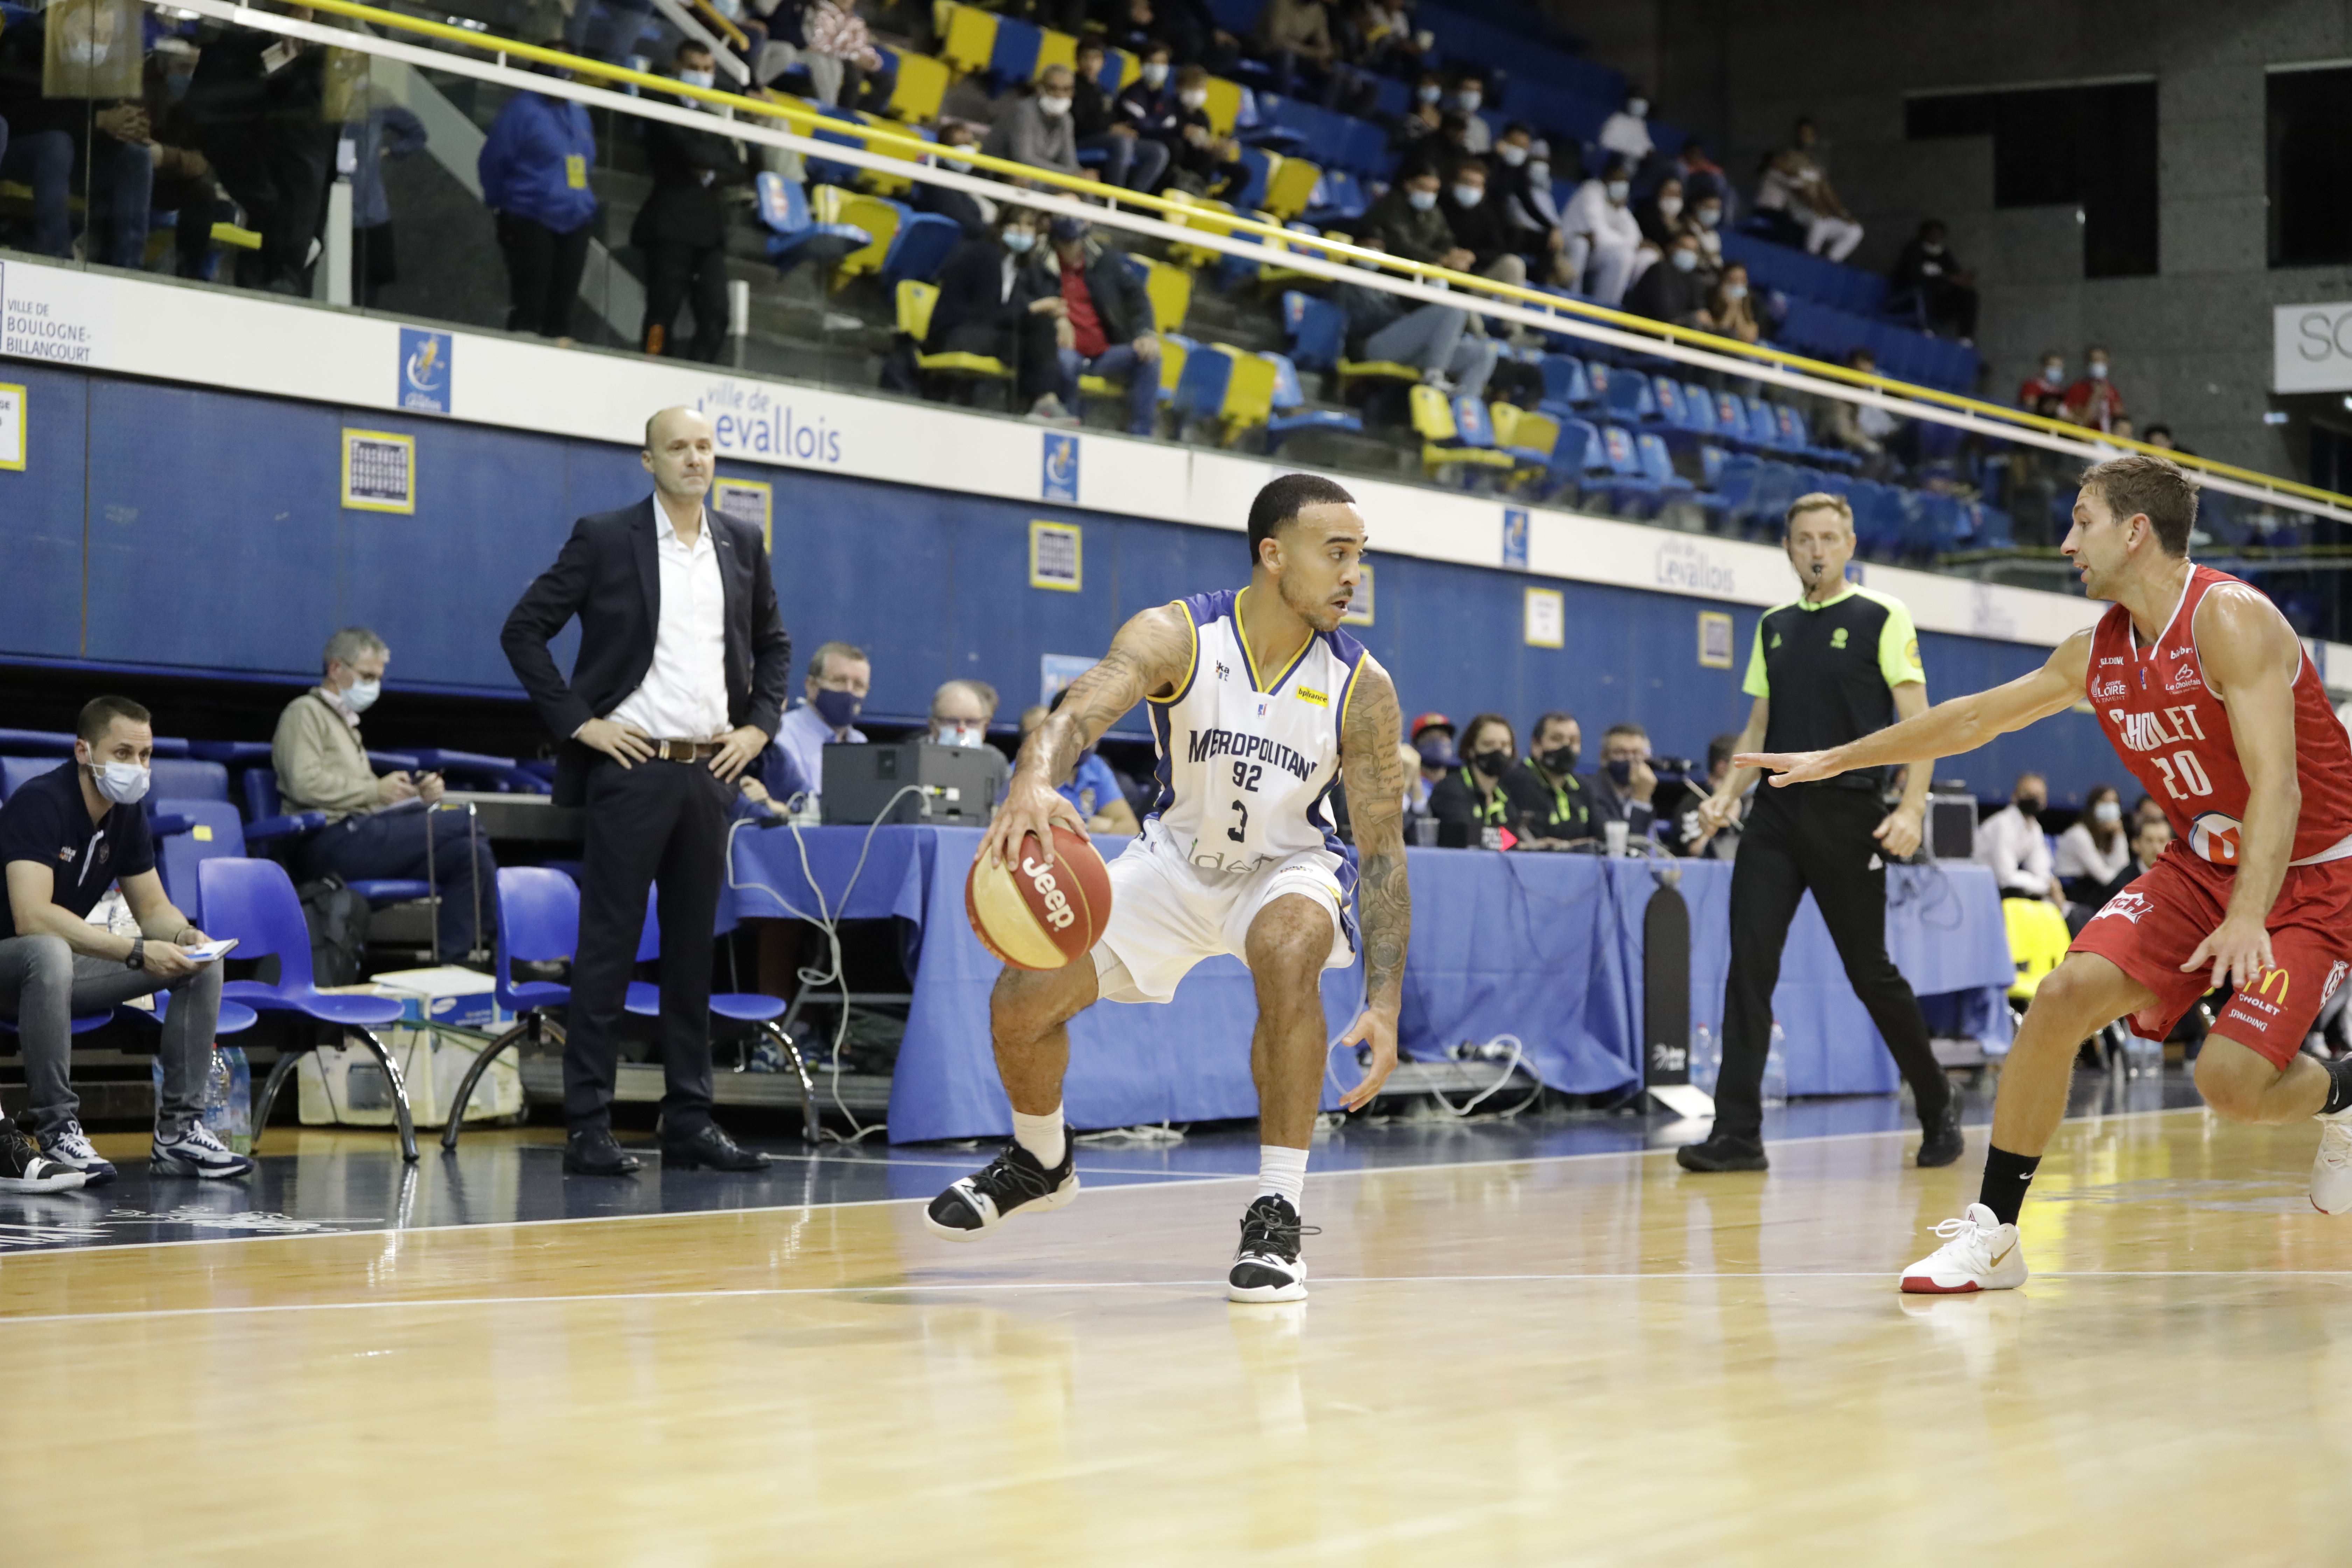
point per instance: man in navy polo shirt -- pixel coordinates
(64, 837)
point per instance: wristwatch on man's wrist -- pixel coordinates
(137, 957)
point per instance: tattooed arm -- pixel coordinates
(1370, 764)
(1149, 658)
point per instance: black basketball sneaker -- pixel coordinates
(1268, 1267)
(1013, 1183)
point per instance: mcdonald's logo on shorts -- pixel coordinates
(2278, 974)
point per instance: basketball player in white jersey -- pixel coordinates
(1259, 704)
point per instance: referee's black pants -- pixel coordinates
(1815, 836)
(651, 822)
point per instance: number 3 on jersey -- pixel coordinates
(1246, 776)
(2183, 768)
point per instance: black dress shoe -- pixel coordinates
(593, 1152)
(710, 1149)
(1943, 1144)
(1723, 1152)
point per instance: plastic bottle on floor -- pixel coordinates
(1706, 1058)
(1776, 1068)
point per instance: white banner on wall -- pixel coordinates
(249, 343)
(2311, 348)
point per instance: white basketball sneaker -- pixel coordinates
(1979, 1253)
(2331, 1168)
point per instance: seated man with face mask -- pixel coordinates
(66, 836)
(1471, 809)
(374, 826)
(1551, 800)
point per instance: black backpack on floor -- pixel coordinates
(338, 918)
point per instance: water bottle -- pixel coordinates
(1706, 1058)
(1776, 1070)
(232, 1075)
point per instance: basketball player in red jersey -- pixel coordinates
(2207, 695)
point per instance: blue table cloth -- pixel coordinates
(1544, 947)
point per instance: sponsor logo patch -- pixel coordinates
(1308, 694)
(2129, 906)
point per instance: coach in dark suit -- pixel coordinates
(679, 685)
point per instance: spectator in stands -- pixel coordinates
(1199, 39)
(2150, 836)
(1670, 293)
(682, 227)
(184, 186)
(844, 68)
(2050, 383)
(1206, 164)
(1408, 216)
(85, 133)
(1106, 324)
(1469, 93)
(2122, 431)
(1148, 105)
(1661, 216)
(839, 676)
(1521, 190)
(260, 119)
(1690, 836)
(534, 172)
(1433, 339)
(378, 828)
(65, 835)
(1426, 114)
(1471, 809)
(1549, 806)
(1602, 236)
(2095, 401)
(1730, 304)
(1291, 34)
(1431, 738)
(1796, 187)
(2094, 858)
(1093, 787)
(387, 130)
(1393, 45)
(976, 215)
(1627, 132)
(1624, 787)
(2160, 435)
(994, 299)
(1479, 225)
(1931, 274)
(1702, 177)
(1861, 429)
(2011, 841)
(1035, 128)
(1129, 160)
(962, 711)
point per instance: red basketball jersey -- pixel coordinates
(2174, 735)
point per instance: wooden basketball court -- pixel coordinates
(1592, 1359)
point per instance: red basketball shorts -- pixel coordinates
(2149, 929)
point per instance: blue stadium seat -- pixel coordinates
(188, 833)
(794, 235)
(189, 780)
(37, 743)
(1317, 328)
(920, 249)
(1014, 57)
(1290, 413)
(15, 771)
(1564, 379)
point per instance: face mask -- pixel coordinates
(1421, 201)
(1539, 174)
(1194, 97)
(958, 164)
(1710, 216)
(1512, 153)
(1735, 290)
(2029, 805)
(837, 708)
(2097, 372)
(1467, 195)
(361, 695)
(2107, 811)
(1370, 266)
(122, 783)
(698, 79)
(1154, 75)
(1053, 108)
(1618, 191)
(1639, 107)
(1491, 763)
(1559, 760)
(1621, 773)
(1019, 240)
(1438, 752)
(2051, 374)
(1683, 260)
(960, 733)
(1429, 93)
(1670, 207)
(1470, 101)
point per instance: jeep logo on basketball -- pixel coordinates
(1059, 913)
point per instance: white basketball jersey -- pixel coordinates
(1248, 756)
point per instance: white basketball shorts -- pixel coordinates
(1167, 916)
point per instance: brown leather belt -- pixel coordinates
(684, 750)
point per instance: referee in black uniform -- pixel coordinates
(1834, 663)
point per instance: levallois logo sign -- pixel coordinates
(425, 371)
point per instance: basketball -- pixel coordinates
(1036, 916)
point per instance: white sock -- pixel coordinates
(1041, 1135)
(1282, 1172)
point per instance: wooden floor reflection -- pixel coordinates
(1598, 1359)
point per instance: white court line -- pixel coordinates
(967, 1286)
(1172, 1180)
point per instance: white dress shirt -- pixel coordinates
(2079, 855)
(803, 734)
(2019, 855)
(684, 697)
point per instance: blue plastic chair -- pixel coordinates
(1564, 379)
(1290, 413)
(795, 236)
(17, 772)
(1317, 328)
(920, 249)
(749, 1007)
(254, 901)
(187, 833)
(539, 922)
(37, 743)
(265, 824)
(186, 780)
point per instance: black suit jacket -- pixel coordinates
(608, 574)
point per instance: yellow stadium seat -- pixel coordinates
(1352, 371)
(922, 85)
(874, 215)
(1170, 288)
(1225, 105)
(1432, 421)
(915, 302)
(1291, 188)
(1249, 392)
(1208, 217)
(969, 38)
(1127, 67)
(1172, 356)
(1058, 49)
(2038, 940)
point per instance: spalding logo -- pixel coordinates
(1058, 913)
